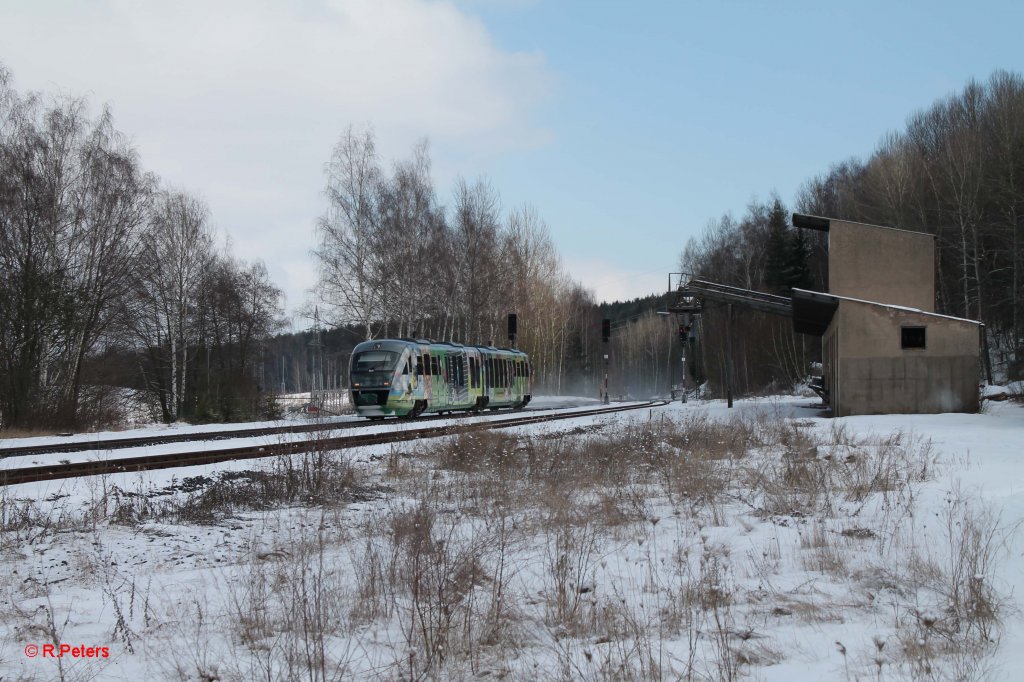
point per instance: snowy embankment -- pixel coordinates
(687, 541)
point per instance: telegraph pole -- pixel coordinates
(728, 354)
(606, 333)
(684, 340)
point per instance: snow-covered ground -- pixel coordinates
(689, 541)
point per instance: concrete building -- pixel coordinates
(881, 264)
(884, 349)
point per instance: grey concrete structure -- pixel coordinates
(884, 349)
(881, 264)
(869, 369)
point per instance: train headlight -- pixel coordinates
(355, 385)
(387, 383)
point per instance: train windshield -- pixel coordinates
(375, 361)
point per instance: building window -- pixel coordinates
(912, 337)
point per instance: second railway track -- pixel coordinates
(213, 456)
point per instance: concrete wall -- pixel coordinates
(830, 362)
(875, 375)
(881, 264)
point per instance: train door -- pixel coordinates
(486, 367)
(475, 384)
(457, 380)
(437, 368)
(424, 375)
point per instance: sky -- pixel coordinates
(627, 126)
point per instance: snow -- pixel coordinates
(178, 429)
(565, 405)
(168, 598)
(891, 306)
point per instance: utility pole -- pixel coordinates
(606, 333)
(684, 341)
(728, 354)
(317, 380)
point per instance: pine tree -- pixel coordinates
(778, 254)
(798, 271)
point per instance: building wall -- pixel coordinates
(881, 264)
(877, 376)
(830, 363)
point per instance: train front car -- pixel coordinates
(381, 380)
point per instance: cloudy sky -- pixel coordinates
(627, 125)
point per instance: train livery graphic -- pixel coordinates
(407, 377)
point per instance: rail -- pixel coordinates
(166, 461)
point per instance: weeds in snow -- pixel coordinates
(655, 549)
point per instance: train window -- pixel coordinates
(376, 360)
(405, 367)
(424, 367)
(435, 366)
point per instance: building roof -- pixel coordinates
(813, 311)
(814, 222)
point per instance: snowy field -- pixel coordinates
(682, 542)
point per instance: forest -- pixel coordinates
(956, 171)
(113, 283)
(111, 279)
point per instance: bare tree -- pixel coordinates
(72, 198)
(348, 253)
(175, 254)
(476, 226)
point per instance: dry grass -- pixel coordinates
(594, 554)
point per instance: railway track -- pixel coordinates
(169, 460)
(164, 439)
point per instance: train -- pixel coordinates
(410, 377)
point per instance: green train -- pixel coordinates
(408, 377)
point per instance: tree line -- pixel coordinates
(955, 171)
(758, 251)
(395, 261)
(110, 278)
